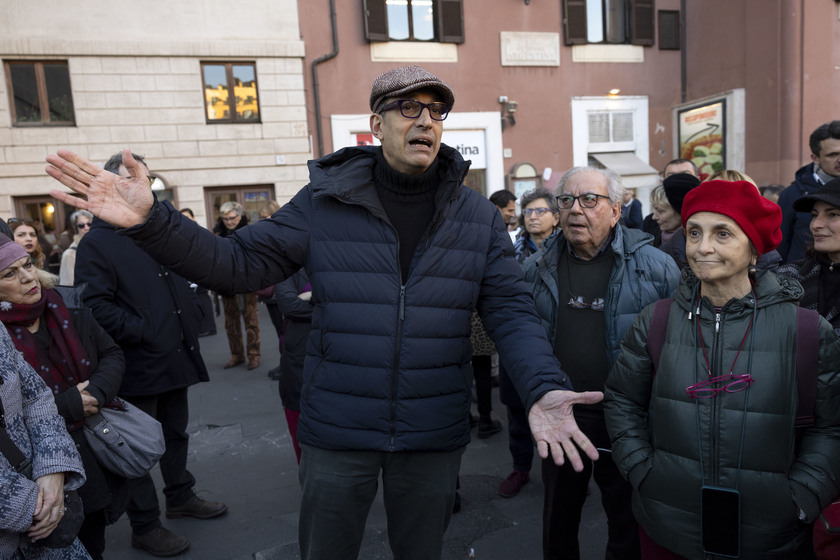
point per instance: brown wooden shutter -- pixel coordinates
(669, 30)
(641, 21)
(450, 20)
(376, 20)
(574, 22)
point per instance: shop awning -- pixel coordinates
(624, 163)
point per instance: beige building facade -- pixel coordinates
(212, 95)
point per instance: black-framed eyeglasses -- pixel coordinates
(411, 108)
(540, 212)
(85, 225)
(728, 383)
(579, 302)
(586, 200)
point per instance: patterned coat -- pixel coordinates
(34, 425)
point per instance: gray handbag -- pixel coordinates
(125, 440)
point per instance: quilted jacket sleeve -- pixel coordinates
(507, 310)
(259, 255)
(815, 476)
(626, 401)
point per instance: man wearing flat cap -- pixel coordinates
(399, 252)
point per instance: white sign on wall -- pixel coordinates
(471, 144)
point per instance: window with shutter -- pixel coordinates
(669, 30)
(641, 21)
(574, 22)
(376, 20)
(414, 20)
(615, 22)
(450, 21)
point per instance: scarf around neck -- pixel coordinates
(63, 364)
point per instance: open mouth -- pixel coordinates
(420, 142)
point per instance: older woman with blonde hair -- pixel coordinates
(81, 220)
(231, 218)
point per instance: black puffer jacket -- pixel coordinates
(654, 424)
(387, 364)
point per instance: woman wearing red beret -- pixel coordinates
(708, 439)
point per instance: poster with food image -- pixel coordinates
(702, 132)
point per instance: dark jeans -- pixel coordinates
(172, 410)
(482, 373)
(339, 487)
(520, 441)
(565, 493)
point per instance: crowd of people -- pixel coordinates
(391, 287)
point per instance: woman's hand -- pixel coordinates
(49, 508)
(89, 402)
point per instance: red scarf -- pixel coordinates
(65, 363)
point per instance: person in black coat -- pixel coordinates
(79, 362)
(149, 312)
(294, 299)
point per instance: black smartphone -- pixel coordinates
(720, 521)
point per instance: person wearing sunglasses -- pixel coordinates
(707, 439)
(589, 282)
(398, 252)
(81, 220)
(539, 219)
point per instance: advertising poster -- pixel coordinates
(701, 137)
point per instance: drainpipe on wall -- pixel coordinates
(315, 64)
(683, 73)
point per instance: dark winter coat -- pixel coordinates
(796, 226)
(102, 488)
(657, 429)
(809, 273)
(640, 275)
(297, 313)
(149, 311)
(388, 364)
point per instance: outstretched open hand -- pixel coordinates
(120, 201)
(555, 430)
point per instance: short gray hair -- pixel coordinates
(614, 186)
(231, 206)
(74, 217)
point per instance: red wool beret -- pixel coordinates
(758, 217)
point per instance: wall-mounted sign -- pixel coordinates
(702, 136)
(471, 143)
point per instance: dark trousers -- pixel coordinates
(565, 493)
(339, 487)
(172, 410)
(483, 373)
(92, 533)
(520, 441)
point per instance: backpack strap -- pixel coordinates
(656, 331)
(807, 364)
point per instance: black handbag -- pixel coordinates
(68, 527)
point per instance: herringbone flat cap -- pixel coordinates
(405, 79)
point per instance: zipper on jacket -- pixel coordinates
(715, 416)
(395, 372)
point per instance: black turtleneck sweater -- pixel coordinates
(409, 202)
